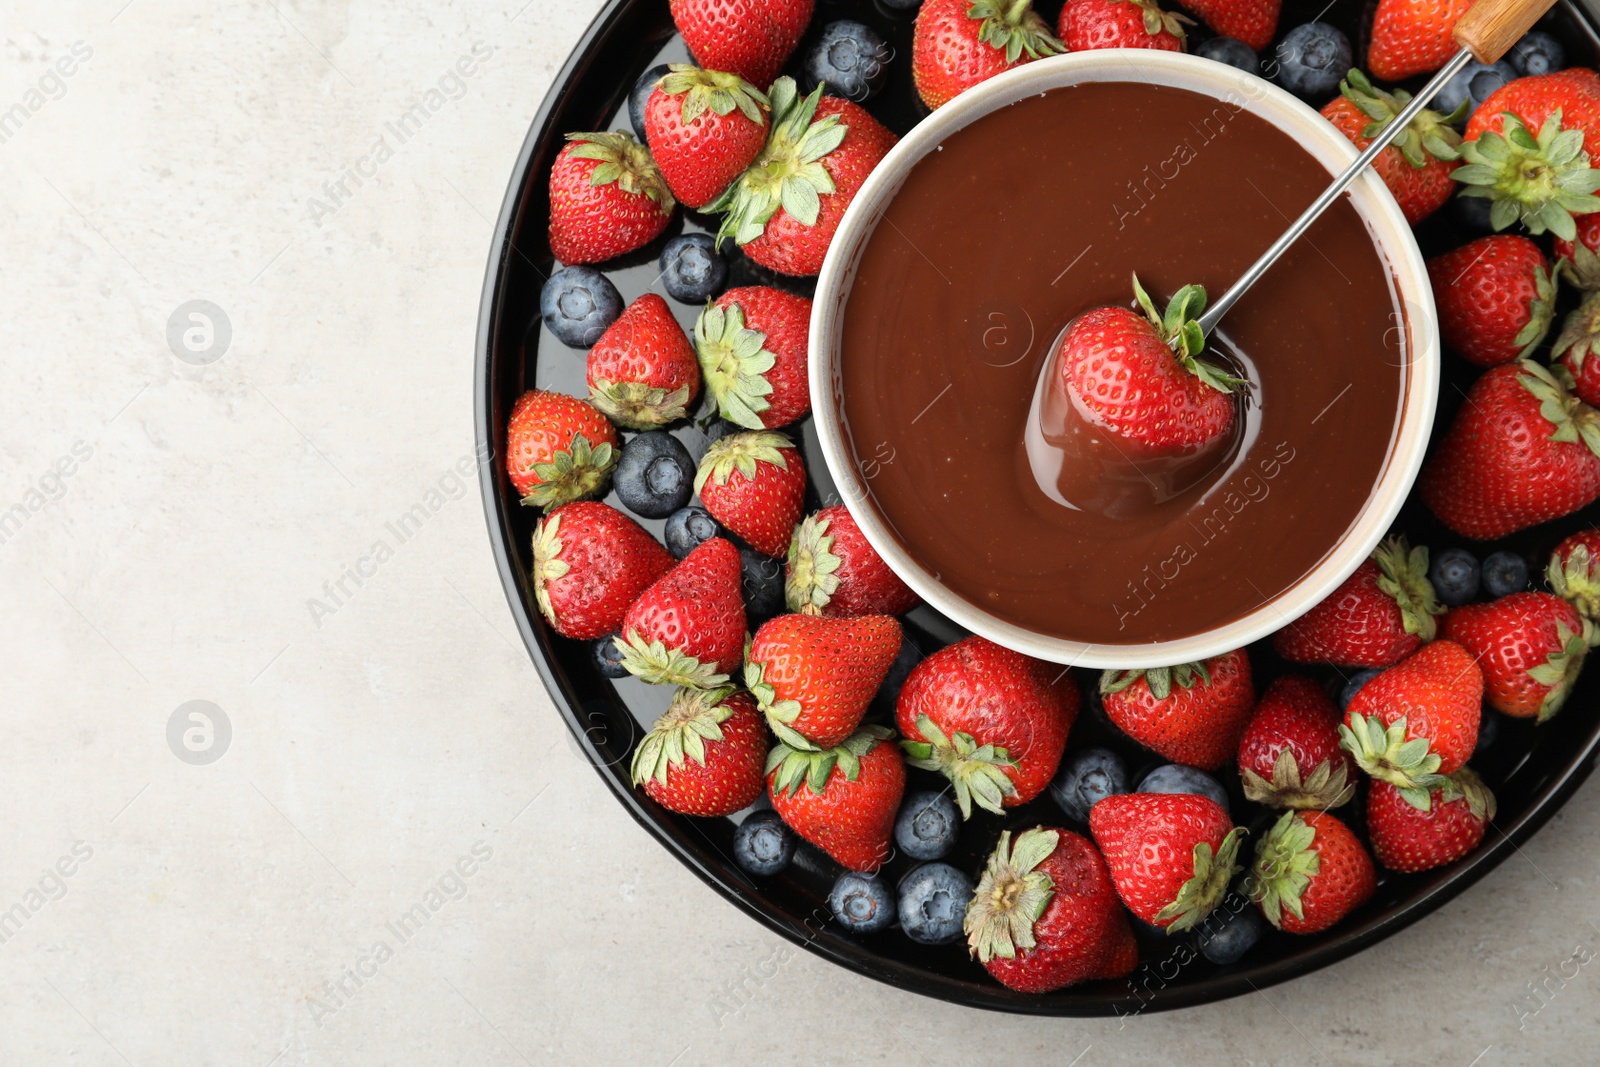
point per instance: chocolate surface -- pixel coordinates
(1027, 218)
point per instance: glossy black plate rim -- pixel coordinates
(811, 931)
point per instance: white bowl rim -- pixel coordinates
(1373, 201)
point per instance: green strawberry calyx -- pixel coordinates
(547, 564)
(734, 361)
(1204, 890)
(1428, 136)
(1577, 581)
(639, 405)
(1014, 27)
(1157, 20)
(790, 768)
(976, 771)
(788, 173)
(1410, 766)
(654, 662)
(625, 163)
(1572, 419)
(1285, 864)
(575, 474)
(781, 714)
(742, 452)
(1539, 180)
(1326, 787)
(1403, 575)
(1465, 784)
(1180, 331)
(1011, 896)
(1560, 669)
(1160, 680)
(694, 717)
(712, 90)
(1582, 269)
(1580, 331)
(813, 568)
(1541, 311)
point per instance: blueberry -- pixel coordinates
(1473, 83)
(1504, 573)
(1176, 778)
(639, 95)
(1230, 50)
(692, 270)
(927, 826)
(1230, 931)
(1353, 685)
(655, 475)
(861, 903)
(578, 304)
(1454, 575)
(1086, 778)
(1472, 212)
(687, 529)
(762, 583)
(1312, 60)
(850, 58)
(901, 5)
(1538, 53)
(933, 903)
(1488, 730)
(608, 658)
(763, 845)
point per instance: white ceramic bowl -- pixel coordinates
(1317, 136)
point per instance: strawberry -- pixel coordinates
(1123, 372)
(1417, 721)
(1578, 340)
(688, 628)
(813, 677)
(1089, 24)
(1495, 297)
(1408, 838)
(750, 38)
(1045, 914)
(1528, 147)
(1574, 572)
(783, 211)
(1380, 614)
(1289, 756)
(1171, 855)
(1530, 647)
(1310, 872)
(1586, 239)
(1521, 451)
(1417, 165)
(1412, 37)
(754, 484)
(991, 720)
(1255, 22)
(606, 198)
(705, 755)
(844, 799)
(833, 571)
(958, 43)
(704, 127)
(590, 563)
(558, 449)
(751, 343)
(642, 372)
(1192, 713)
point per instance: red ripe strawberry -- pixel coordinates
(1412, 37)
(688, 628)
(590, 563)
(844, 799)
(813, 678)
(1255, 22)
(1089, 24)
(1310, 872)
(606, 198)
(991, 720)
(558, 449)
(783, 211)
(704, 127)
(1192, 713)
(1045, 914)
(1409, 838)
(751, 343)
(1417, 165)
(1579, 339)
(754, 484)
(958, 43)
(1587, 239)
(1380, 615)
(1171, 855)
(1530, 647)
(1521, 451)
(705, 755)
(1495, 297)
(750, 38)
(1417, 721)
(833, 571)
(1574, 572)
(1289, 756)
(642, 372)
(1122, 370)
